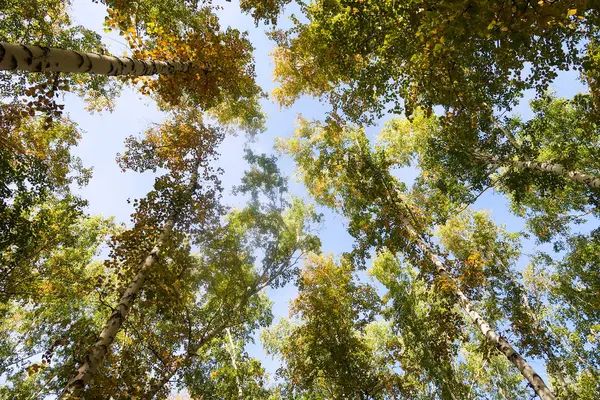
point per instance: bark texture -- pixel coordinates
(587, 179)
(500, 342)
(18, 57)
(558, 169)
(76, 385)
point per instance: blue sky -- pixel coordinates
(104, 136)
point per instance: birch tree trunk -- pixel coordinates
(536, 382)
(555, 360)
(232, 354)
(98, 351)
(17, 57)
(587, 179)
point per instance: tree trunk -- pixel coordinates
(97, 352)
(15, 57)
(232, 354)
(536, 382)
(587, 179)
(554, 360)
(558, 169)
(155, 388)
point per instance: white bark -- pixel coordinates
(98, 351)
(589, 180)
(233, 354)
(536, 382)
(16, 57)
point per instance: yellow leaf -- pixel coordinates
(572, 11)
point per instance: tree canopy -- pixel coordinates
(467, 185)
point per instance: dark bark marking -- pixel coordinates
(29, 58)
(89, 60)
(121, 66)
(13, 63)
(2, 52)
(81, 59)
(110, 71)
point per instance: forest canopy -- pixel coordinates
(439, 239)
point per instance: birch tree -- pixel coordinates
(380, 216)
(182, 53)
(37, 203)
(49, 23)
(179, 200)
(47, 323)
(234, 279)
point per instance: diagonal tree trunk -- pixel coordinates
(19, 57)
(500, 342)
(555, 361)
(98, 351)
(587, 179)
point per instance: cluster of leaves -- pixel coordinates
(220, 75)
(326, 355)
(366, 56)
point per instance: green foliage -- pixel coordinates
(367, 56)
(459, 160)
(326, 355)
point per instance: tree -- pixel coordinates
(345, 175)
(324, 353)
(174, 204)
(48, 23)
(47, 325)
(45, 59)
(280, 230)
(197, 61)
(36, 202)
(366, 56)
(442, 356)
(547, 165)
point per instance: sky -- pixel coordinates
(104, 136)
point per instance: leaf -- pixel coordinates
(572, 11)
